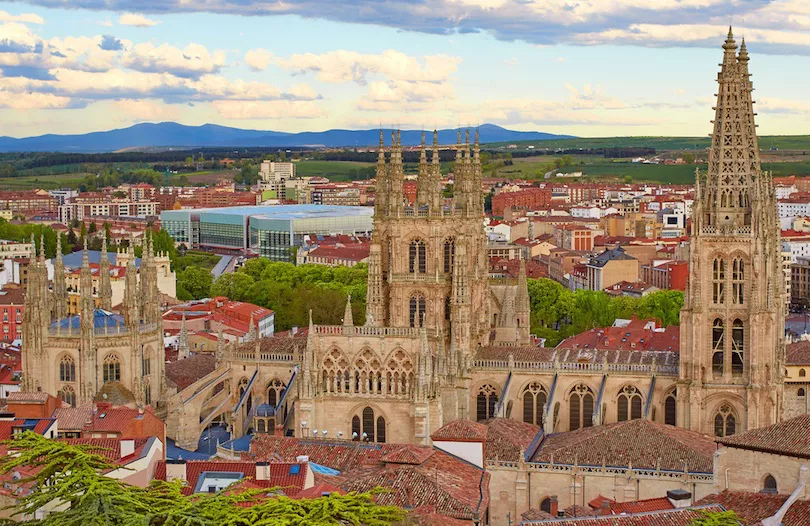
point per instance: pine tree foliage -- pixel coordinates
(69, 481)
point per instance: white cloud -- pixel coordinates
(140, 110)
(277, 109)
(106, 23)
(31, 100)
(258, 59)
(192, 61)
(134, 19)
(25, 18)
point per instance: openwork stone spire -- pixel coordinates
(59, 307)
(383, 183)
(734, 155)
(105, 286)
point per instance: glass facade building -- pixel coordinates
(269, 231)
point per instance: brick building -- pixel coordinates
(531, 199)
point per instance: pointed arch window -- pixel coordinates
(367, 373)
(449, 254)
(416, 309)
(274, 389)
(725, 424)
(380, 429)
(719, 281)
(671, 409)
(737, 348)
(534, 403)
(580, 407)
(68, 395)
(486, 401)
(399, 376)
(335, 373)
(147, 392)
(718, 345)
(769, 485)
(67, 369)
(629, 404)
(417, 257)
(738, 281)
(356, 429)
(111, 368)
(368, 424)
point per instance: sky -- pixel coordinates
(590, 68)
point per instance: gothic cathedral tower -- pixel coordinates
(732, 322)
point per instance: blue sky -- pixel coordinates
(584, 67)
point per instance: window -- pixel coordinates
(738, 281)
(485, 402)
(260, 425)
(367, 373)
(111, 368)
(356, 428)
(274, 389)
(67, 369)
(719, 281)
(380, 429)
(147, 393)
(737, 347)
(534, 403)
(417, 257)
(800, 392)
(724, 422)
(769, 485)
(146, 366)
(629, 404)
(335, 374)
(363, 425)
(580, 408)
(802, 373)
(399, 375)
(718, 345)
(449, 255)
(671, 409)
(68, 395)
(417, 310)
(545, 505)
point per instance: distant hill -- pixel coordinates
(170, 134)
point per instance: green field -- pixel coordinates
(46, 182)
(334, 170)
(766, 142)
(664, 173)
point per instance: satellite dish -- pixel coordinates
(314, 432)
(340, 434)
(354, 435)
(324, 432)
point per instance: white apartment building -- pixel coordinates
(70, 211)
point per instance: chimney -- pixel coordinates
(554, 506)
(262, 470)
(680, 498)
(175, 469)
(6, 417)
(605, 510)
(302, 458)
(127, 447)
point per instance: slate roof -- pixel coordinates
(640, 443)
(751, 508)
(679, 517)
(612, 254)
(582, 355)
(790, 437)
(101, 319)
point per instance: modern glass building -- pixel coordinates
(269, 231)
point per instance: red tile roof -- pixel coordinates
(798, 353)
(790, 437)
(278, 474)
(679, 517)
(751, 508)
(638, 443)
(461, 430)
(507, 438)
(73, 418)
(407, 455)
(641, 506)
(185, 372)
(581, 355)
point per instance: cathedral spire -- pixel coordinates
(422, 181)
(131, 287)
(59, 307)
(220, 352)
(182, 340)
(435, 185)
(396, 176)
(105, 287)
(87, 303)
(381, 195)
(347, 313)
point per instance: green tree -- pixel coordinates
(196, 282)
(234, 285)
(717, 518)
(93, 228)
(83, 232)
(162, 242)
(688, 158)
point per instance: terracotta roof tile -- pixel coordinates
(185, 372)
(790, 437)
(680, 517)
(72, 418)
(278, 474)
(536, 515)
(507, 437)
(407, 455)
(751, 508)
(641, 506)
(461, 430)
(798, 353)
(640, 443)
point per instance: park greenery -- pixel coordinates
(717, 518)
(292, 291)
(69, 481)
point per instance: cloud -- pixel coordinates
(190, 62)
(277, 109)
(18, 38)
(258, 59)
(32, 101)
(29, 72)
(137, 20)
(783, 106)
(25, 18)
(141, 110)
(110, 43)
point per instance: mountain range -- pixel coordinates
(171, 134)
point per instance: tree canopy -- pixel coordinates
(69, 481)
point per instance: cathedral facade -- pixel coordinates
(442, 341)
(74, 355)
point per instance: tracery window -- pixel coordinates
(111, 368)
(486, 401)
(738, 281)
(580, 407)
(367, 373)
(380, 429)
(725, 424)
(147, 392)
(399, 378)
(737, 347)
(718, 345)
(534, 403)
(68, 395)
(274, 389)
(449, 254)
(671, 408)
(146, 366)
(417, 257)
(719, 281)
(67, 369)
(417, 310)
(629, 404)
(335, 373)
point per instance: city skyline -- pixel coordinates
(590, 68)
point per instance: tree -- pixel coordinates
(162, 242)
(235, 286)
(83, 232)
(93, 228)
(196, 282)
(688, 158)
(717, 518)
(68, 481)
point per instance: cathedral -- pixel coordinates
(74, 356)
(442, 341)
